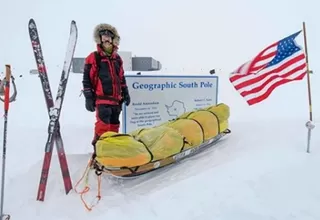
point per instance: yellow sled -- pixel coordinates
(148, 149)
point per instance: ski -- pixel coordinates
(36, 45)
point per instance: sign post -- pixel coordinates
(157, 99)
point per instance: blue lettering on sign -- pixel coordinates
(153, 86)
(171, 85)
(206, 85)
(188, 85)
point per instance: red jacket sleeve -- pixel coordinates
(89, 73)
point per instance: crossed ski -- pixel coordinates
(53, 109)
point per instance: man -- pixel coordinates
(104, 83)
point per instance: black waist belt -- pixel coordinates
(105, 97)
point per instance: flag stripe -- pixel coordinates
(260, 89)
(264, 59)
(265, 95)
(257, 66)
(277, 70)
(264, 62)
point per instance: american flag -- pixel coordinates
(281, 62)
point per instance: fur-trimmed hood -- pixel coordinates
(104, 26)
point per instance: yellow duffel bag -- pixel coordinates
(161, 141)
(121, 150)
(207, 120)
(188, 128)
(224, 125)
(221, 110)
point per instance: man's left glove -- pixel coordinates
(126, 96)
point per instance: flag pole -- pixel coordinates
(309, 124)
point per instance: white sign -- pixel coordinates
(157, 99)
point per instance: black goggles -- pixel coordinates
(106, 33)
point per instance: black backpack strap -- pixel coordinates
(118, 61)
(98, 58)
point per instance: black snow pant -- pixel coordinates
(107, 119)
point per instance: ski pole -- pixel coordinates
(6, 109)
(15, 92)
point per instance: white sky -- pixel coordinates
(182, 34)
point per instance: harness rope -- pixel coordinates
(86, 188)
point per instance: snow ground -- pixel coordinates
(259, 172)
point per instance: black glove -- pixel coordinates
(126, 96)
(90, 100)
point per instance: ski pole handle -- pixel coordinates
(7, 88)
